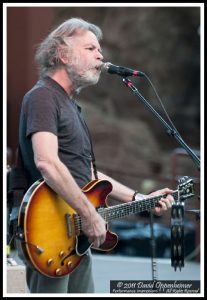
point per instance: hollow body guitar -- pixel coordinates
(49, 235)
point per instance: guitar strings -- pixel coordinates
(123, 210)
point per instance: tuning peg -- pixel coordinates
(183, 179)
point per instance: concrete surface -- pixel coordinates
(112, 267)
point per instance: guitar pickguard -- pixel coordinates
(82, 244)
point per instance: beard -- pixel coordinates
(82, 78)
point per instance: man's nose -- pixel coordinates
(99, 55)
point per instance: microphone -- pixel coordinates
(122, 71)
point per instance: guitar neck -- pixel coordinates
(130, 208)
(125, 209)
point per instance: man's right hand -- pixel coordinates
(94, 227)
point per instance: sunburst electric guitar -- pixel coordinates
(50, 238)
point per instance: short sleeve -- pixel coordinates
(40, 112)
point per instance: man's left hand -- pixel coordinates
(164, 203)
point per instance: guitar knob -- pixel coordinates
(61, 254)
(69, 264)
(50, 262)
(58, 272)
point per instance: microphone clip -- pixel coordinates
(129, 84)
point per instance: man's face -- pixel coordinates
(84, 59)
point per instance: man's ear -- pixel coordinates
(63, 55)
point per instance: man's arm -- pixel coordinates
(120, 192)
(58, 177)
(125, 194)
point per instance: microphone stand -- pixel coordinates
(170, 131)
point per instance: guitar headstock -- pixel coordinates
(185, 187)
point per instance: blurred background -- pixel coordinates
(130, 144)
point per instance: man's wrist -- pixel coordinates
(138, 196)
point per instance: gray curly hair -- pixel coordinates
(47, 57)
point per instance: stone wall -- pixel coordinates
(164, 43)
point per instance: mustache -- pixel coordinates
(75, 63)
(99, 66)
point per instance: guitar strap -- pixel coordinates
(94, 162)
(92, 153)
(90, 139)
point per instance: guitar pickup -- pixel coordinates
(69, 225)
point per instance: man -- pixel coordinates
(56, 145)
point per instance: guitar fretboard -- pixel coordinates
(130, 208)
(126, 209)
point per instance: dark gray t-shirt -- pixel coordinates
(47, 107)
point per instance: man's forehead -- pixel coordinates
(82, 36)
